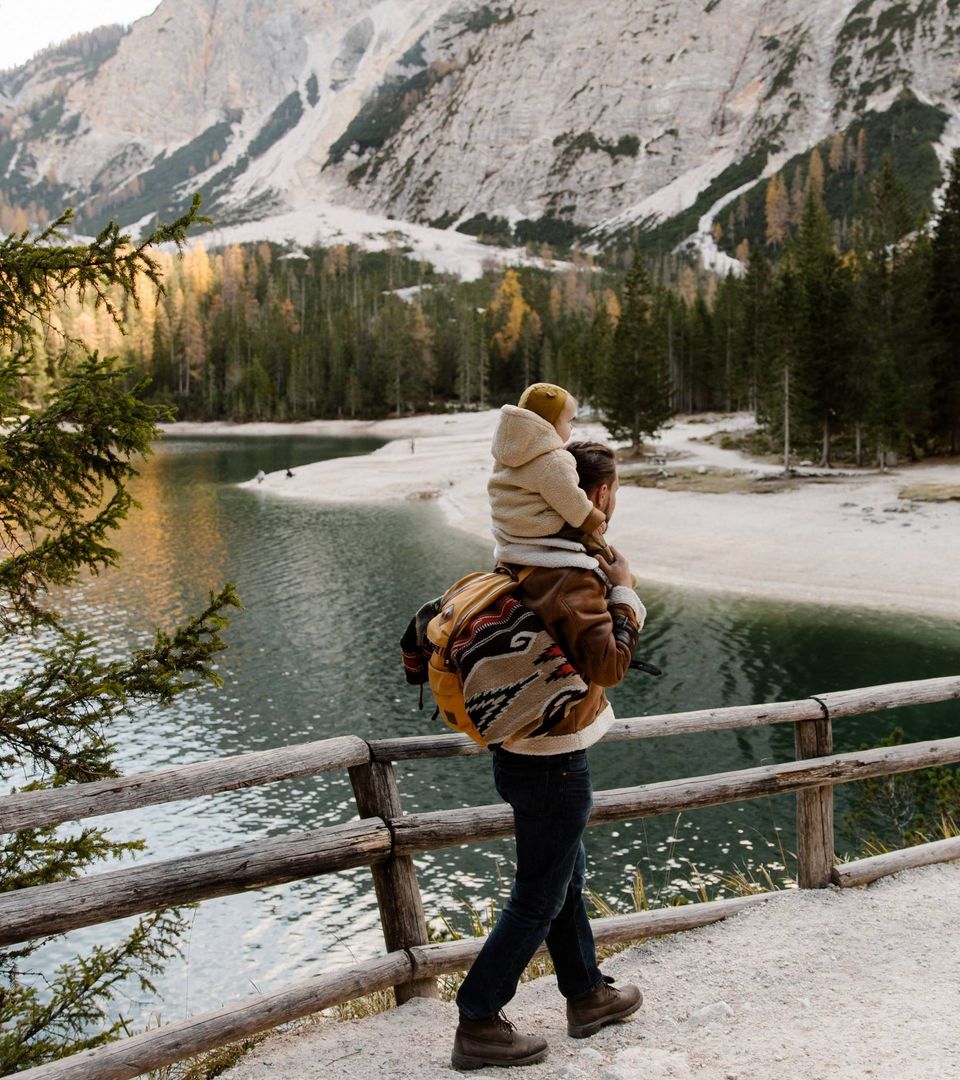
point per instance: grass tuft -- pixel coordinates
(931, 492)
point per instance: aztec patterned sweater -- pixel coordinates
(535, 664)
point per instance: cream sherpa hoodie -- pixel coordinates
(534, 489)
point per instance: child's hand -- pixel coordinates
(601, 528)
(618, 571)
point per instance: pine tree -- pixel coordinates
(65, 464)
(756, 329)
(885, 368)
(597, 351)
(885, 410)
(780, 394)
(636, 398)
(824, 338)
(945, 258)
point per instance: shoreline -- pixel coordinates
(850, 542)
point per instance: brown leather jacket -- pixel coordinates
(598, 640)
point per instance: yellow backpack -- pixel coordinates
(464, 600)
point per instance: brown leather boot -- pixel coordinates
(603, 1005)
(494, 1041)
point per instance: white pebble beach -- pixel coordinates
(852, 541)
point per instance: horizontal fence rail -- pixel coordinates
(864, 871)
(385, 839)
(96, 898)
(838, 704)
(34, 809)
(415, 833)
(66, 905)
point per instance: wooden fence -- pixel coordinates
(386, 840)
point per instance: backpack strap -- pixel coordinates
(519, 576)
(514, 578)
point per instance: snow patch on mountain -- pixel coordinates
(596, 114)
(446, 250)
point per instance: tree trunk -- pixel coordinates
(727, 363)
(670, 359)
(786, 418)
(398, 379)
(825, 457)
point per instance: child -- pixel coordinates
(538, 509)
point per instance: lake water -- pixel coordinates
(328, 591)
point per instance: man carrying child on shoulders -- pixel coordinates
(550, 505)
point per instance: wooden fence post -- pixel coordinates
(815, 840)
(395, 880)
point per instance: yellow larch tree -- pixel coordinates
(194, 338)
(777, 210)
(798, 195)
(860, 154)
(510, 311)
(611, 302)
(815, 177)
(197, 270)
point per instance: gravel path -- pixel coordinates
(826, 985)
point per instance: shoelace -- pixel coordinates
(501, 1017)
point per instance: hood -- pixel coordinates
(521, 436)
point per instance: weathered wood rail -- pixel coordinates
(386, 840)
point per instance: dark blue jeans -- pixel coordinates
(551, 798)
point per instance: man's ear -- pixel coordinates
(600, 496)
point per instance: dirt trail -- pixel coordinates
(826, 985)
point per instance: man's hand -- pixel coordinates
(618, 571)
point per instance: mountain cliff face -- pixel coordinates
(554, 114)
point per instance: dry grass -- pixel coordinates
(710, 482)
(211, 1064)
(368, 1005)
(931, 492)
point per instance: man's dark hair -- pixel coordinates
(596, 464)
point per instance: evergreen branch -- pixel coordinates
(64, 469)
(54, 719)
(42, 856)
(37, 1028)
(56, 466)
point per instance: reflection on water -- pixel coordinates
(327, 592)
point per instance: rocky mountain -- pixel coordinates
(521, 119)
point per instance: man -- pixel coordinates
(590, 609)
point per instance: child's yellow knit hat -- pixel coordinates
(545, 400)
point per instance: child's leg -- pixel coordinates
(594, 543)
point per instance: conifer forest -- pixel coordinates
(847, 332)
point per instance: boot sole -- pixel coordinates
(584, 1031)
(465, 1062)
